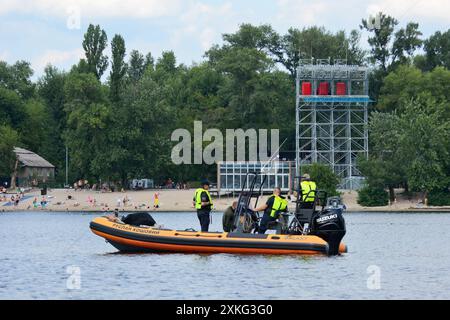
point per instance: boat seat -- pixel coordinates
(305, 215)
(279, 225)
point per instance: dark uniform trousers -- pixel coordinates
(264, 224)
(205, 219)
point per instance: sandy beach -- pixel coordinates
(170, 201)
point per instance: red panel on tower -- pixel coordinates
(306, 88)
(324, 88)
(341, 89)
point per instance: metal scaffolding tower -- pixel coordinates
(332, 127)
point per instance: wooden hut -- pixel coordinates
(31, 169)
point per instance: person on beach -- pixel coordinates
(35, 202)
(43, 202)
(125, 201)
(156, 200)
(203, 203)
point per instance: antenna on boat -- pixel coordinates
(274, 155)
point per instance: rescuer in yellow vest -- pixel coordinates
(309, 190)
(275, 205)
(203, 203)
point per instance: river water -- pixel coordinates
(391, 256)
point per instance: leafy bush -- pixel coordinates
(373, 197)
(439, 198)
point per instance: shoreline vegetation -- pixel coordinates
(69, 200)
(110, 118)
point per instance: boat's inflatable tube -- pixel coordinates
(127, 238)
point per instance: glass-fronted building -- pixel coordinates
(231, 176)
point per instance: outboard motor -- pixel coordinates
(330, 226)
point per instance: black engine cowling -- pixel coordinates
(139, 219)
(330, 226)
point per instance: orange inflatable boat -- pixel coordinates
(131, 239)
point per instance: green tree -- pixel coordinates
(381, 39)
(15, 88)
(118, 66)
(12, 109)
(382, 172)
(404, 83)
(149, 61)
(317, 42)
(136, 66)
(297, 44)
(17, 77)
(140, 133)
(406, 42)
(9, 140)
(410, 149)
(389, 48)
(373, 197)
(408, 82)
(34, 130)
(437, 51)
(86, 135)
(324, 177)
(50, 89)
(424, 142)
(94, 44)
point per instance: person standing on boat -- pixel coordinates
(272, 209)
(308, 189)
(203, 203)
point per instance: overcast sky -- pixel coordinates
(51, 31)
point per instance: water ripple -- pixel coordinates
(409, 249)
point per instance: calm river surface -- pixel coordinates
(410, 251)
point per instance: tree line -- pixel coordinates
(117, 126)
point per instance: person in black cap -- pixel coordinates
(203, 203)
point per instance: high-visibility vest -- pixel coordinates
(309, 189)
(279, 204)
(198, 198)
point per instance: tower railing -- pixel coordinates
(332, 116)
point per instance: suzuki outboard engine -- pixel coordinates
(330, 226)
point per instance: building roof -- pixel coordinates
(30, 159)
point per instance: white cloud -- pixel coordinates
(4, 55)
(330, 12)
(57, 58)
(413, 9)
(302, 12)
(94, 8)
(204, 24)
